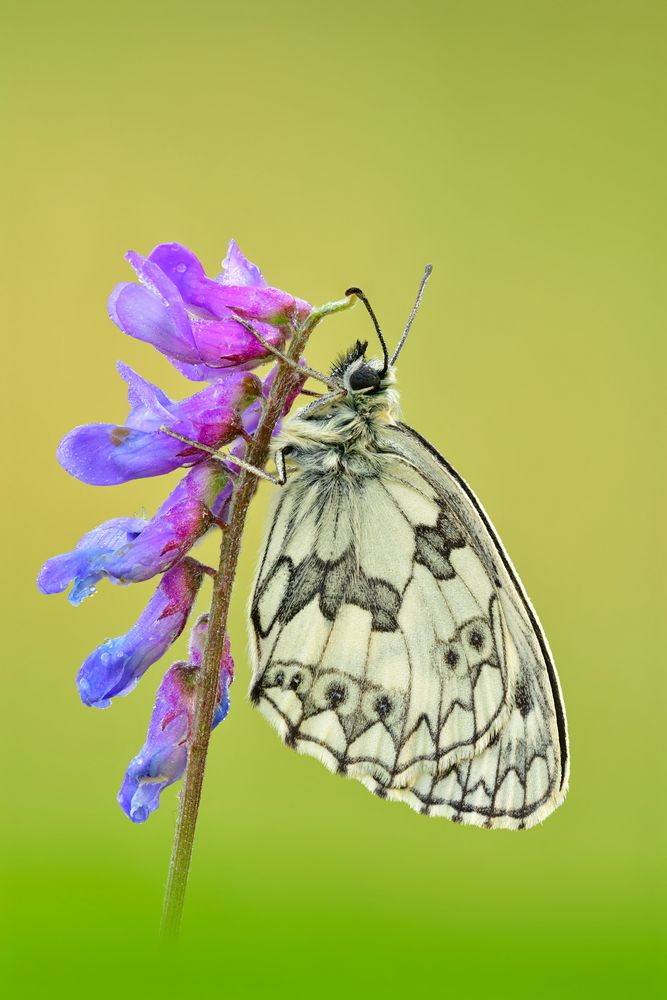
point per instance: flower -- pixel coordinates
(107, 454)
(85, 564)
(191, 318)
(132, 549)
(163, 757)
(117, 665)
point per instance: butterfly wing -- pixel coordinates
(384, 642)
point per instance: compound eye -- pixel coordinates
(364, 378)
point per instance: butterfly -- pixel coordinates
(391, 636)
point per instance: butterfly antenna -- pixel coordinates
(360, 295)
(422, 286)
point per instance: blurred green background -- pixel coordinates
(520, 146)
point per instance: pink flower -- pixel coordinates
(191, 318)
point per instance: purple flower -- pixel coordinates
(115, 667)
(163, 757)
(132, 549)
(107, 454)
(86, 564)
(190, 317)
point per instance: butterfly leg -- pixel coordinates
(223, 456)
(279, 459)
(301, 369)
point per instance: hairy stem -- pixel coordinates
(246, 485)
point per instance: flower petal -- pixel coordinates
(143, 315)
(209, 373)
(161, 760)
(150, 407)
(224, 343)
(116, 666)
(186, 272)
(270, 305)
(106, 455)
(205, 373)
(163, 757)
(238, 270)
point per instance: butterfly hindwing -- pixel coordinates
(514, 783)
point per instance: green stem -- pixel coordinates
(207, 689)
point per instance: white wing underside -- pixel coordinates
(393, 641)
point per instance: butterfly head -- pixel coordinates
(356, 373)
(360, 375)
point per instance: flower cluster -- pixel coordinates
(194, 321)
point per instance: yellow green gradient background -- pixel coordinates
(519, 146)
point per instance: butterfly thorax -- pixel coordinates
(340, 434)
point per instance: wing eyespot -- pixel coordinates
(333, 691)
(388, 707)
(335, 695)
(478, 640)
(383, 706)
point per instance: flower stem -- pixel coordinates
(246, 485)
